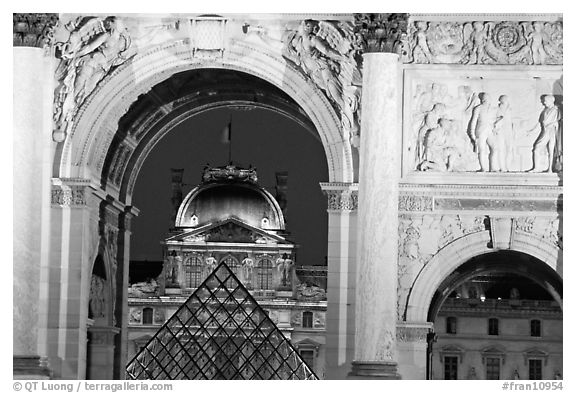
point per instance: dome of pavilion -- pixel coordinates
(230, 192)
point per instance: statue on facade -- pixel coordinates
(481, 127)
(545, 145)
(211, 263)
(325, 53)
(95, 46)
(97, 298)
(284, 265)
(147, 288)
(247, 270)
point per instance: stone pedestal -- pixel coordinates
(32, 147)
(377, 261)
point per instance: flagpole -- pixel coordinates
(230, 143)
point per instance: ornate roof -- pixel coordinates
(226, 192)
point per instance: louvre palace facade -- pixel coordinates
(442, 137)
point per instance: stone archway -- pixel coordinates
(459, 252)
(83, 153)
(83, 161)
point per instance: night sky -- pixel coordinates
(261, 138)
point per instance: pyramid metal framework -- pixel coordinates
(220, 332)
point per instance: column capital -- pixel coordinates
(413, 332)
(33, 30)
(341, 196)
(381, 32)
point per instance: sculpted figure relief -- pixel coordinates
(500, 141)
(460, 130)
(485, 42)
(94, 47)
(324, 51)
(481, 126)
(546, 146)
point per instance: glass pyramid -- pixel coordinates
(220, 332)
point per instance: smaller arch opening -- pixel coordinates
(494, 317)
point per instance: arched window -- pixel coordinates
(193, 272)
(535, 328)
(232, 263)
(147, 316)
(307, 319)
(451, 325)
(265, 274)
(493, 328)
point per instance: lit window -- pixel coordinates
(265, 274)
(147, 316)
(535, 328)
(492, 368)
(307, 319)
(451, 325)
(193, 268)
(534, 368)
(493, 328)
(450, 367)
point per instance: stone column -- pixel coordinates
(380, 151)
(32, 150)
(341, 285)
(122, 276)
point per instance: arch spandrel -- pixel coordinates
(87, 144)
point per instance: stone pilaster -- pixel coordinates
(341, 280)
(412, 342)
(32, 151)
(377, 255)
(101, 352)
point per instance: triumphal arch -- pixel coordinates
(442, 136)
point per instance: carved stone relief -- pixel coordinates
(68, 195)
(342, 199)
(319, 320)
(420, 238)
(482, 42)
(296, 319)
(484, 122)
(411, 334)
(548, 228)
(135, 315)
(325, 52)
(419, 203)
(34, 30)
(93, 48)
